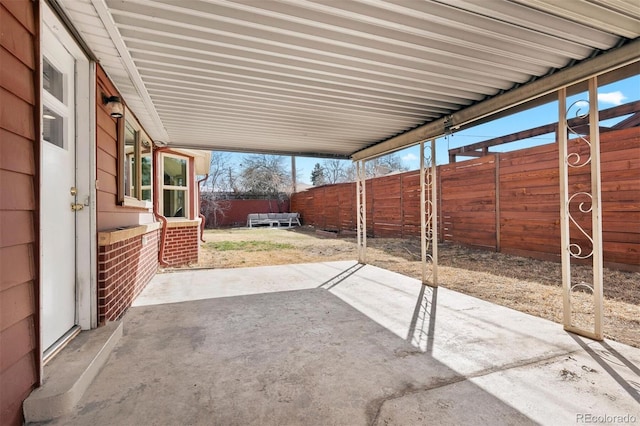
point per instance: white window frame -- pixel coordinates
(135, 200)
(186, 188)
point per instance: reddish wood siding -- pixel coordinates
(106, 150)
(109, 213)
(18, 206)
(525, 204)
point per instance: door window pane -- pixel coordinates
(52, 127)
(52, 80)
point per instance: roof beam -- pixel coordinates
(574, 123)
(609, 61)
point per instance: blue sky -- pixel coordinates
(617, 93)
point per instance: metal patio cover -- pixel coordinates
(338, 77)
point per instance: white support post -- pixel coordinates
(423, 213)
(564, 207)
(584, 203)
(428, 215)
(434, 214)
(361, 205)
(294, 183)
(596, 212)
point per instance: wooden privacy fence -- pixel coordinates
(507, 202)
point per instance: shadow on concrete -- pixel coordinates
(334, 281)
(297, 357)
(266, 346)
(607, 356)
(423, 322)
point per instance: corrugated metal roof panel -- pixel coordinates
(325, 77)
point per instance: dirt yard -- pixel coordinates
(524, 284)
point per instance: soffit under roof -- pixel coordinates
(327, 77)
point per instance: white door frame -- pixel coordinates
(86, 234)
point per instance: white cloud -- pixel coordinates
(409, 158)
(613, 98)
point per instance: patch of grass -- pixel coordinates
(247, 245)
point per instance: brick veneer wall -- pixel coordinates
(124, 269)
(182, 243)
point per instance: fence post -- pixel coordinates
(497, 164)
(401, 206)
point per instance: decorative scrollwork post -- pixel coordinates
(361, 206)
(578, 242)
(428, 214)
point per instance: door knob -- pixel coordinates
(74, 191)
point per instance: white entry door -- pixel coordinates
(57, 191)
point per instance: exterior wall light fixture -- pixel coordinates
(114, 105)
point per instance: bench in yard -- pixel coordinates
(279, 219)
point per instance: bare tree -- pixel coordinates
(214, 207)
(337, 171)
(265, 175)
(214, 199)
(384, 165)
(223, 177)
(350, 173)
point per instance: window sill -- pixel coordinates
(133, 202)
(181, 222)
(106, 238)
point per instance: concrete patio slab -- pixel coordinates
(345, 344)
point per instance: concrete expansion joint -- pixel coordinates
(410, 389)
(523, 363)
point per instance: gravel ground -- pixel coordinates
(524, 284)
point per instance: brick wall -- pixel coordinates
(182, 243)
(124, 269)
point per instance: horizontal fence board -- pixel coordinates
(529, 200)
(621, 237)
(552, 257)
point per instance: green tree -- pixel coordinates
(317, 175)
